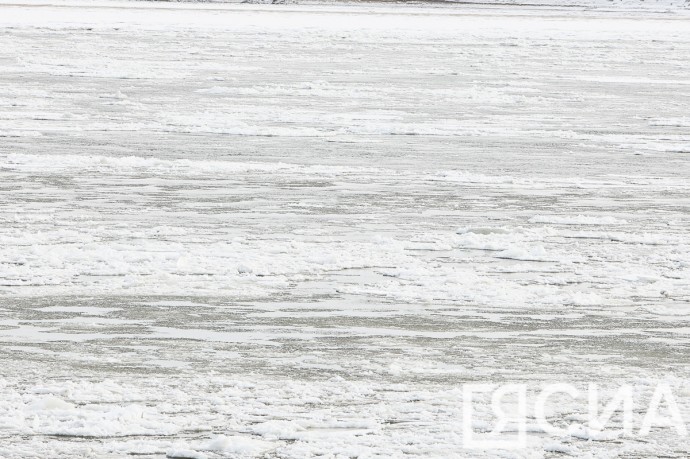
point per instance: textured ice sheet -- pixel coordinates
(236, 231)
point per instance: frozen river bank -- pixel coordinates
(237, 231)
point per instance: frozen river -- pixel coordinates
(298, 231)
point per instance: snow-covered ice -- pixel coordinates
(297, 231)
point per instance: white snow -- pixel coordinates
(577, 220)
(298, 230)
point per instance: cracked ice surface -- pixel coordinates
(253, 231)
